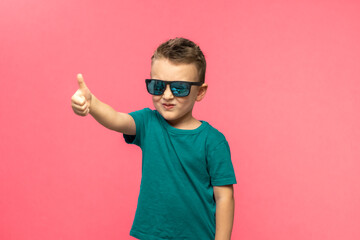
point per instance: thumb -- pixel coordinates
(81, 81)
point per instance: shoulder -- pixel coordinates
(214, 135)
(142, 113)
(144, 110)
(214, 139)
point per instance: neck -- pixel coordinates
(186, 124)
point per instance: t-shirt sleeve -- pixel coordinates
(140, 117)
(220, 167)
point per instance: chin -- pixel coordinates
(169, 116)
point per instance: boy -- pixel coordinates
(187, 174)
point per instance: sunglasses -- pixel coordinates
(178, 88)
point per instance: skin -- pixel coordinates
(83, 102)
(225, 208)
(180, 116)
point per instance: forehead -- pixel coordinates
(164, 69)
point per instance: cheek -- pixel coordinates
(156, 98)
(185, 102)
(192, 96)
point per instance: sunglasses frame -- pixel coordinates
(169, 83)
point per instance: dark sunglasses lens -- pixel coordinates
(180, 89)
(155, 87)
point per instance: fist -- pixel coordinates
(81, 100)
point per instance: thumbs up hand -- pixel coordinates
(81, 100)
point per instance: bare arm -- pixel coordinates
(84, 102)
(109, 118)
(225, 206)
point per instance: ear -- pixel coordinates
(201, 92)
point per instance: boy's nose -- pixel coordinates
(167, 93)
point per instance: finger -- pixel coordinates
(79, 100)
(81, 113)
(85, 112)
(77, 112)
(78, 97)
(81, 81)
(82, 100)
(79, 107)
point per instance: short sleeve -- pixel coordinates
(220, 167)
(140, 117)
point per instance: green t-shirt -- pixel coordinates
(179, 169)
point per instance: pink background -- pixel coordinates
(283, 87)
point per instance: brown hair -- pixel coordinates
(181, 50)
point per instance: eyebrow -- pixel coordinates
(192, 83)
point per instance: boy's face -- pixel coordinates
(176, 110)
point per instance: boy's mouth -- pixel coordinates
(168, 106)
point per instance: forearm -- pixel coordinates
(224, 218)
(108, 117)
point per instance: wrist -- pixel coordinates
(90, 102)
